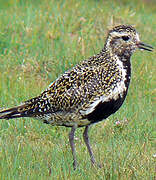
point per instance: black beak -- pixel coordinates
(144, 46)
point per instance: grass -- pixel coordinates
(39, 40)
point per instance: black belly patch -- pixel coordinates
(104, 109)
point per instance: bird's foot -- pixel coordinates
(95, 164)
(75, 165)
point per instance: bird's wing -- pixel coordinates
(68, 92)
(75, 89)
(72, 89)
(78, 87)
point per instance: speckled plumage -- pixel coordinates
(89, 92)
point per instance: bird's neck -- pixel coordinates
(120, 60)
(126, 64)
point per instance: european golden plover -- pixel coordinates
(89, 92)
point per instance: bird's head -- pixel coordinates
(123, 40)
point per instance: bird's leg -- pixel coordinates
(72, 145)
(87, 142)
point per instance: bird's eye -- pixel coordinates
(125, 38)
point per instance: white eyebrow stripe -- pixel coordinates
(115, 34)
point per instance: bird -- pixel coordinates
(89, 92)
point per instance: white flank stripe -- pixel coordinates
(91, 107)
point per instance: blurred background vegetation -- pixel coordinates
(39, 40)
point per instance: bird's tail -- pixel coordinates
(27, 109)
(15, 112)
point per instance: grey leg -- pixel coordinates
(72, 145)
(86, 140)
